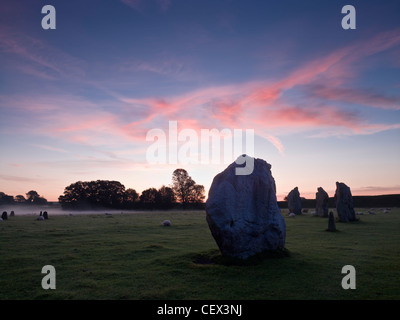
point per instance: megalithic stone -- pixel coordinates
(344, 203)
(243, 213)
(331, 222)
(294, 201)
(321, 207)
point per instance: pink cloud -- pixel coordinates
(264, 106)
(260, 105)
(275, 142)
(356, 96)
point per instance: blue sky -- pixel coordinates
(76, 102)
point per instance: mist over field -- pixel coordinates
(55, 209)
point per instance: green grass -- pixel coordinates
(131, 256)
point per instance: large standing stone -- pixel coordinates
(4, 215)
(243, 213)
(294, 201)
(321, 206)
(344, 203)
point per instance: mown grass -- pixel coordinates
(131, 256)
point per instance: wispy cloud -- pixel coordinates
(365, 97)
(141, 5)
(13, 178)
(39, 58)
(134, 4)
(376, 190)
(264, 105)
(163, 66)
(164, 4)
(50, 148)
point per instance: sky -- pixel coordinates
(77, 102)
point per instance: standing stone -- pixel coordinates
(12, 214)
(331, 222)
(4, 215)
(294, 201)
(344, 203)
(243, 213)
(45, 215)
(321, 207)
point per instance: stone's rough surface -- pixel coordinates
(344, 203)
(294, 201)
(243, 213)
(321, 207)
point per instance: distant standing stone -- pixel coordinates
(331, 223)
(243, 213)
(294, 201)
(12, 214)
(321, 207)
(4, 215)
(45, 215)
(344, 203)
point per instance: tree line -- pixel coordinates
(32, 198)
(183, 192)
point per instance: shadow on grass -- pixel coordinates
(216, 258)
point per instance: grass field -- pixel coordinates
(131, 256)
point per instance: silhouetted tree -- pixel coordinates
(196, 194)
(31, 196)
(34, 198)
(148, 198)
(6, 199)
(165, 198)
(40, 201)
(131, 198)
(93, 194)
(76, 195)
(185, 188)
(20, 199)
